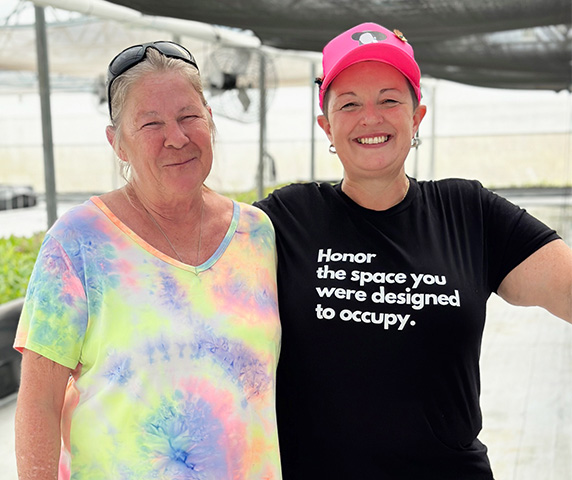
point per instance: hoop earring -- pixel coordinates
(332, 149)
(415, 142)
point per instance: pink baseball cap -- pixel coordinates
(369, 41)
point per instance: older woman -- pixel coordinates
(150, 331)
(383, 282)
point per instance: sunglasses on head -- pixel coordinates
(131, 56)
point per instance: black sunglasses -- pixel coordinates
(131, 56)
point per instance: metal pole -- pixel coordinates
(416, 157)
(262, 121)
(433, 130)
(44, 83)
(313, 125)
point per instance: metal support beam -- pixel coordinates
(131, 16)
(313, 124)
(433, 130)
(44, 83)
(262, 121)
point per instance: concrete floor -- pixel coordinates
(526, 397)
(7, 456)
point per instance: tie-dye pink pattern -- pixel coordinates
(177, 362)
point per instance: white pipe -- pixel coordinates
(201, 31)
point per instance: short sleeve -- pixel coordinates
(54, 316)
(511, 234)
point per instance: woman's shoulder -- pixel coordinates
(73, 229)
(76, 218)
(251, 212)
(304, 188)
(450, 184)
(454, 189)
(462, 194)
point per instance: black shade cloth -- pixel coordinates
(523, 44)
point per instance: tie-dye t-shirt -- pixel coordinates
(177, 362)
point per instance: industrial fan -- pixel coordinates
(236, 79)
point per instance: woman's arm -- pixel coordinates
(544, 279)
(38, 415)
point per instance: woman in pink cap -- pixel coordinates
(383, 285)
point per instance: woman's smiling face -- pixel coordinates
(166, 134)
(370, 119)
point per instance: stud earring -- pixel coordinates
(415, 142)
(332, 149)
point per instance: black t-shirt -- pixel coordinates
(382, 318)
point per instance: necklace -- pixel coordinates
(169, 241)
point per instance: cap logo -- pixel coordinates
(369, 36)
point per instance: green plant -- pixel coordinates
(18, 256)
